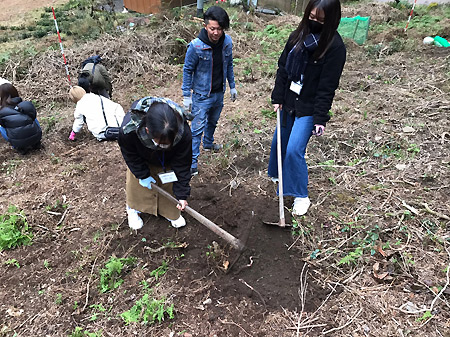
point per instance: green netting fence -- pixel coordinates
(355, 28)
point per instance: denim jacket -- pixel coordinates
(197, 70)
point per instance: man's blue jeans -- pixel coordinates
(295, 134)
(206, 111)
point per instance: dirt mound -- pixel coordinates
(378, 12)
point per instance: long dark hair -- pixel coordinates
(332, 12)
(7, 91)
(162, 123)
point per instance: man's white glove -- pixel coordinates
(233, 93)
(187, 103)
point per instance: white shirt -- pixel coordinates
(3, 81)
(89, 110)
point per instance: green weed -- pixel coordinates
(57, 206)
(49, 122)
(210, 252)
(58, 299)
(79, 332)
(12, 262)
(426, 315)
(148, 310)
(160, 271)
(413, 149)
(10, 166)
(47, 265)
(98, 308)
(110, 276)
(269, 113)
(352, 257)
(328, 165)
(14, 230)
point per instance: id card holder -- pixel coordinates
(167, 177)
(296, 87)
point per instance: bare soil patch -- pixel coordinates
(379, 192)
(15, 11)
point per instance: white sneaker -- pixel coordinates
(274, 180)
(134, 220)
(178, 223)
(301, 206)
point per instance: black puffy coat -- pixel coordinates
(19, 121)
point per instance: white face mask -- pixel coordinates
(162, 146)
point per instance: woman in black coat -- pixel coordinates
(308, 74)
(18, 123)
(156, 144)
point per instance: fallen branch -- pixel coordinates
(31, 319)
(157, 250)
(63, 216)
(303, 287)
(430, 309)
(88, 284)
(232, 323)
(256, 291)
(306, 326)
(332, 166)
(412, 209)
(343, 326)
(440, 215)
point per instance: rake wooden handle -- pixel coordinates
(236, 243)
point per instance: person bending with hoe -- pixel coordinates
(207, 66)
(308, 74)
(156, 144)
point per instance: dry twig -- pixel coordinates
(343, 326)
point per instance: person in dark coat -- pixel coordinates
(18, 123)
(308, 74)
(156, 144)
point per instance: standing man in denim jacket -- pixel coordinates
(207, 66)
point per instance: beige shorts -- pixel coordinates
(148, 201)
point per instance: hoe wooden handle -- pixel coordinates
(204, 221)
(282, 222)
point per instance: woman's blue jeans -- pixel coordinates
(5, 136)
(3, 133)
(206, 111)
(295, 134)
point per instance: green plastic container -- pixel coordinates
(355, 28)
(441, 42)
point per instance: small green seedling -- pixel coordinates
(47, 265)
(79, 332)
(58, 299)
(352, 257)
(12, 262)
(160, 271)
(98, 308)
(426, 315)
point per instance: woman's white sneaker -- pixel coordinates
(178, 223)
(134, 220)
(301, 206)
